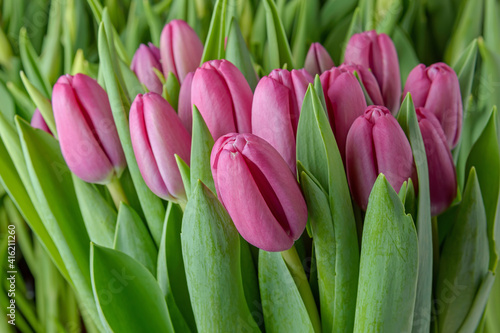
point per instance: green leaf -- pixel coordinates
(120, 279)
(388, 264)
(25, 105)
(154, 21)
(8, 108)
(214, 44)
(464, 67)
(211, 252)
(185, 174)
(201, 148)
(250, 280)
(356, 26)
(278, 48)
(406, 53)
(305, 29)
(368, 12)
(387, 15)
(491, 28)
(476, 312)
(132, 85)
(171, 89)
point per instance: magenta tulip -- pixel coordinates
(369, 81)
(376, 144)
(145, 59)
(180, 48)
(37, 121)
(442, 174)
(157, 135)
(276, 110)
(378, 53)
(87, 134)
(345, 102)
(318, 60)
(437, 89)
(259, 191)
(185, 105)
(224, 98)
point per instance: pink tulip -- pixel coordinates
(437, 89)
(223, 96)
(378, 53)
(276, 110)
(185, 105)
(442, 174)
(259, 191)
(181, 49)
(86, 129)
(368, 79)
(157, 135)
(345, 102)
(145, 59)
(318, 60)
(376, 144)
(37, 121)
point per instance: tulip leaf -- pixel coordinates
(8, 109)
(251, 280)
(305, 29)
(185, 174)
(475, 315)
(170, 272)
(201, 148)
(25, 105)
(152, 206)
(464, 259)
(119, 279)
(99, 216)
(387, 18)
(171, 90)
(491, 29)
(388, 264)
(318, 88)
(132, 238)
(407, 56)
(154, 21)
(214, 44)
(211, 252)
(464, 67)
(337, 36)
(132, 85)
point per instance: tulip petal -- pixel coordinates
(389, 79)
(418, 84)
(187, 48)
(143, 63)
(37, 121)
(185, 105)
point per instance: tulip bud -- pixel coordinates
(185, 106)
(259, 191)
(378, 53)
(181, 49)
(276, 110)
(145, 59)
(437, 89)
(368, 79)
(37, 121)
(318, 60)
(442, 174)
(376, 144)
(157, 134)
(223, 96)
(345, 102)
(87, 133)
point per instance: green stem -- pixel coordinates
(435, 246)
(294, 264)
(116, 190)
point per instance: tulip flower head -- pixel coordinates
(436, 88)
(368, 79)
(259, 191)
(145, 59)
(87, 133)
(185, 105)
(376, 144)
(276, 110)
(37, 121)
(318, 60)
(157, 134)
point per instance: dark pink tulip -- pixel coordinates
(145, 59)
(276, 109)
(259, 191)
(376, 144)
(157, 135)
(437, 89)
(185, 105)
(442, 174)
(37, 121)
(318, 60)
(368, 79)
(223, 96)
(86, 129)
(378, 53)
(345, 102)
(181, 49)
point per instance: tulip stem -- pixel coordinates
(116, 190)
(296, 269)
(435, 245)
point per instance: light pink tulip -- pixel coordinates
(185, 105)
(37, 121)
(318, 60)
(145, 59)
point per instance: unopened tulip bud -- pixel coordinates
(378, 53)
(224, 98)
(87, 133)
(145, 59)
(157, 134)
(368, 80)
(276, 110)
(185, 106)
(181, 49)
(37, 121)
(436, 88)
(318, 60)
(259, 191)
(376, 144)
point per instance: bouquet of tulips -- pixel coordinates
(249, 166)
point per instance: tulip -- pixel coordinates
(276, 110)
(369, 81)
(223, 96)
(37, 121)
(378, 53)
(442, 174)
(180, 48)
(376, 144)
(259, 191)
(145, 59)
(318, 60)
(185, 105)
(437, 89)
(87, 134)
(345, 102)
(157, 134)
